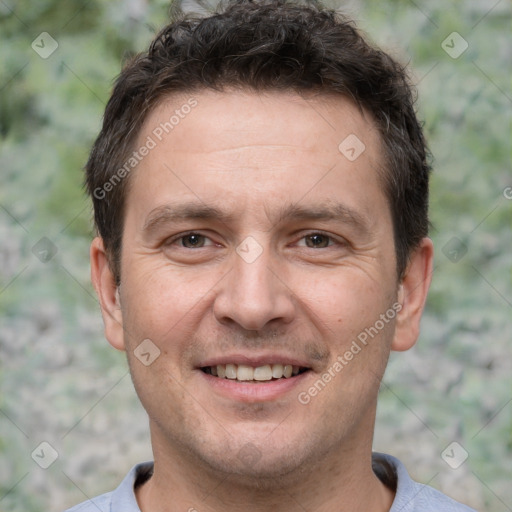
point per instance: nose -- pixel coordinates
(253, 295)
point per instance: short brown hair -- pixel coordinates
(265, 45)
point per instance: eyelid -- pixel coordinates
(300, 236)
(336, 240)
(179, 236)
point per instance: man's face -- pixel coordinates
(251, 239)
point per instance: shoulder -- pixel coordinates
(123, 498)
(412, 496)
(99, 504)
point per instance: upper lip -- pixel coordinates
(255, 360)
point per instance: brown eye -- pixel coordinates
(193, 241)
(317, 241)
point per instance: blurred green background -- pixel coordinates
(61, 383)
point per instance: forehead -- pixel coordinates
(259, 146)
(229, 116)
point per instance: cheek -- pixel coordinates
(160, 389)
(345, 300)
(161, 298)
(347, 309)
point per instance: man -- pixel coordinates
(260, 188)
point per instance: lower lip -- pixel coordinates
(253, 392)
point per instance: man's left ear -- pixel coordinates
(412, 295)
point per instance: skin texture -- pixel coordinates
(269, 165)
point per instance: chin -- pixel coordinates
(271, 471)
(260, 464)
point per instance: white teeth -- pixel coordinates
(243, 372)
(263, 372)
(231, 371)
(277, 371)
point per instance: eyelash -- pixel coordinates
(331, 239)
(182, 236)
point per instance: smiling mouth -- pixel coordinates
(250, 374)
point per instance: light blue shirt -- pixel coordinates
(410, 496)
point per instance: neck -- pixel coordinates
(341, 481)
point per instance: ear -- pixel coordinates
(412, 295)
(108, 294)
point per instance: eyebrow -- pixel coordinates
(169, 213)
(163, 215)
(329, 212)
